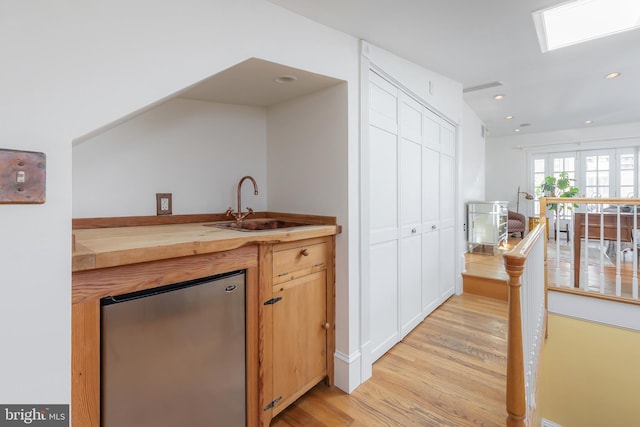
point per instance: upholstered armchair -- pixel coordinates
(516, 223)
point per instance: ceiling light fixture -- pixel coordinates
(612, 75)
(588, 122)
(508, 117)
(578, 21)
(285, 79)
(516, 130)
(498, 97)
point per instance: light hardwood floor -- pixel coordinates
(449, 371)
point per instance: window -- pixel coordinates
(578, 21)
(610, 173)
(551, 165)
(597, 183)
(627, 168)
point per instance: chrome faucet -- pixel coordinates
(239, 216)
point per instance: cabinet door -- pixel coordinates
(299, 337)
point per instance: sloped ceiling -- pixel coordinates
(477, 42)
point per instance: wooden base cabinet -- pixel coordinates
(297, 339)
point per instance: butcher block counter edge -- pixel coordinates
(110, 242)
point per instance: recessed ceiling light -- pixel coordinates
(588, 122)
(578, 21)
(508, 117)
(612, 75)
(516, 130)
(498, 97)
(285, 79)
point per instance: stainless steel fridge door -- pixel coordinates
(177, 358)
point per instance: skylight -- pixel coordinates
(582, 20)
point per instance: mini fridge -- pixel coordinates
(175, 356)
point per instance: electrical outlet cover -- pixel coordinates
(163, 203)
(22, 177)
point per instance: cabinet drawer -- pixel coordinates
(298, 261)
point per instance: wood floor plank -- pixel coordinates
(449, 371)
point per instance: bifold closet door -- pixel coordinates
(411, 213)
(411, 183)
(383, 215)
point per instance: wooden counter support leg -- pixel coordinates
(85, 365)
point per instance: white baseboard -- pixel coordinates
(347, 370)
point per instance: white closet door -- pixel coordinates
(431, 212)
(383, 215)
(410, 214)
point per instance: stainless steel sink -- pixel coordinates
(256, 224)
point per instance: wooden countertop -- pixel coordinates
(96, 248)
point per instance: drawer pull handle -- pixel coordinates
(304, 252)
(326, 326)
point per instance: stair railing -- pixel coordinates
(525, 265)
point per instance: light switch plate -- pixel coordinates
(163, 203)
(22, 177)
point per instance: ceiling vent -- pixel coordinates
(481, 87)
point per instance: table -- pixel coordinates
(610, 232)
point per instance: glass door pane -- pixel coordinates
(627, 174)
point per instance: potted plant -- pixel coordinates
(558, 187)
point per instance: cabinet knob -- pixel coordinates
(433, 227)
(413, 231)
(304, 252)
(326, 326)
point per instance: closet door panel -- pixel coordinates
(383, 276)
(410, 284)
(430, 188)
(383, 109)
(410, 187)
(446, 283)
(448, 140)
(430, 271)
(383, 183)
(431, 130)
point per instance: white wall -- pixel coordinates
(472, 169)
(70, 68)
(507, 157)
(307, 173)
(196, 150)
(472, 156)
